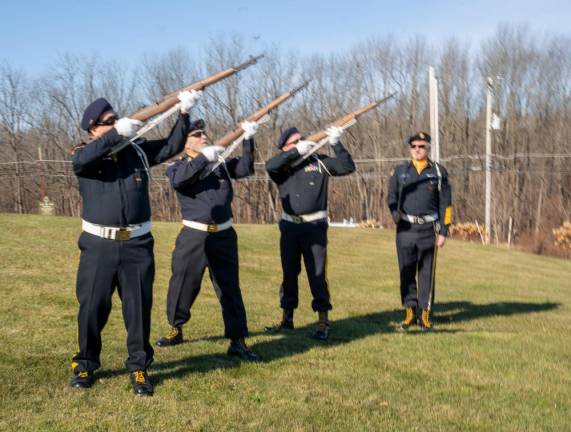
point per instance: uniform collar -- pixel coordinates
(429, 164)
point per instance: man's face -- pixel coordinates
(419, 150)
(104, 124)
(196, 141)
(291, 141)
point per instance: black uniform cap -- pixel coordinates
(420, 136)
(285, 135)
(196, 125)
(94, 111)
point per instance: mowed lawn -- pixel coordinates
(499, 360)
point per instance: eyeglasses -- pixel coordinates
(419, 146)
(109, 121)
(198, 134)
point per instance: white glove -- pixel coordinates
(212, 152)
(188, 99)
(128, 127)
(304, 146)
(334, 134)
(250, 129)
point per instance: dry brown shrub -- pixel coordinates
(467, 231)
(563, 235)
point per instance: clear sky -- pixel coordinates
(33, 34)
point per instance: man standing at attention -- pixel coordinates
(420, 200)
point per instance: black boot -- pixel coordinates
(141, 384)
(322, 331)
(239, 348)
(173, 338)
(285, 324)
(409, 319)
(425, 324)
(82, 379)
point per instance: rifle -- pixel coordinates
(170, 104)
(234, 138)
(345, 122)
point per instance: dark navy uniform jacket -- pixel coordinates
(114, 189)
(417, 194)
(206, 196)
(303, 189)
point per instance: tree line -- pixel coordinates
(40, 116)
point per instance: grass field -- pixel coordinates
(499, 360)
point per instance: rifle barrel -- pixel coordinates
(318, 136)
(171, 99)
(248, 63)
(232, 136)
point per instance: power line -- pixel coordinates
(365, 160)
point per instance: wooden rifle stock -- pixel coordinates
(318, 136)
(232, 136)
(171, 99)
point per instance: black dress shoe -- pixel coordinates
(322, 333)
(83, 379)
(239, 348)
(278, 328)
(141, 384)
(173, 338)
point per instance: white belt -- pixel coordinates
(310, 217)
(420, 219)
(116, 233)
(211, 228)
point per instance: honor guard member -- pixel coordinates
(420, 202)
(207, 238)
(116, 243)
(303, 226)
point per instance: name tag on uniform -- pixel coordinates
(311, 168)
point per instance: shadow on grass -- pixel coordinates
(466, 311)
(342, 331)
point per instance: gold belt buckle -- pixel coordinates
(123, 234)
(212, 228)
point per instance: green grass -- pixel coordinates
(500, 359)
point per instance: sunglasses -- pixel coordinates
(198, 134)
(109, 121)
(293, 142)
(420, 146)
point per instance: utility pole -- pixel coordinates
(42, 178)
(433, 108)
(489, 100)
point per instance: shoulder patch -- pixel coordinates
(77, 147)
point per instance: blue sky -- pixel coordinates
(33, 34)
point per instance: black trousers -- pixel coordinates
(416, 250)
(194, 251)
(105, 265)
(310, 241)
